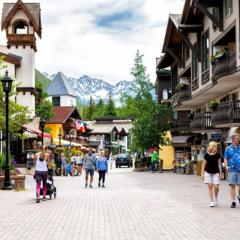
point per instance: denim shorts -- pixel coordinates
(89, 171)
(234, 178)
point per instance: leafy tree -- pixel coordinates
(44, 108)
(151, 119)
(110, 107)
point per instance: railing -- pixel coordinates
(195, 83)
(226, 113)
(180, 128)
(181, 95)
(201, 121)
(21, 38)
(205, 76)
(223, 66)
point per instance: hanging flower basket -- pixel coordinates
(212, 104)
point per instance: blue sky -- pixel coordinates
(100, 37)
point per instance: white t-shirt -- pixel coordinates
(41, 166)
(79, 160)
(73, 159)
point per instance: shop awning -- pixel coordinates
(34, 130)
(66, 143)
(181, 141)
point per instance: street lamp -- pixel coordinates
(42, 124)
(60, 136)
(7, 85)
(70, 138)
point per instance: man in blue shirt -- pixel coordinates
(232, 165)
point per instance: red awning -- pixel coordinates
(31, 129)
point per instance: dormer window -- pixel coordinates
(20, 27)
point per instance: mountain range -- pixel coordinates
(85, 86)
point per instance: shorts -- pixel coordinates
(89, 171)
(41, 176)
(211, 178)
(80, 164)
(234, 178)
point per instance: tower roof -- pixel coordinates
(32, 10)
(60, 86)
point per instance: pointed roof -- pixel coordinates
(32, 10)
(60, 86)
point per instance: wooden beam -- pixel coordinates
(191, 27)
(205, 11)
(189, 44)
(171, 52)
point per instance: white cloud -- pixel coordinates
(73, 42)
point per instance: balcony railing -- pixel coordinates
(181, 95)
(180, 128)
(226, 113)
(223, 66)
(201, 122)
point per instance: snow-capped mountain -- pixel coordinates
(86, 86)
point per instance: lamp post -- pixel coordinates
(60, 137)
(42, 124)
(7, 85)
(70, 138)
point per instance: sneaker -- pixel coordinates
(233, 205)
(44, 199)
(90, 186)
(99, 185)
(211, 204)
(103, 186)
(86, 185)
(216, 202)
(38, 200)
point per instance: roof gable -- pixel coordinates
(62, 114)
(32, 10)
(60, 86)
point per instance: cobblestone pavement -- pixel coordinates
(133, 206)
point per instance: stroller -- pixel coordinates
(51, 189)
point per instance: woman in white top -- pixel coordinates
(41, 172)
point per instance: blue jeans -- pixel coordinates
(153, 166)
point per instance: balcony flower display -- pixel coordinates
(218, 55)
(212, 104)
(181, 86)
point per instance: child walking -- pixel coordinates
(102, 168)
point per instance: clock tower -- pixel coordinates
(22, 23)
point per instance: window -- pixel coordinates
(56, 101)
(228, 7)
(165, 94)
(205, 51)
(194, 70)
(216, 14)
(20, 27)
(175, 115)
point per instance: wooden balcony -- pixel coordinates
(179, 128)
(201, 122)
(227, 114)
(225, 65)
(181, 95)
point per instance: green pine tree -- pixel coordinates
(90, 109)
(110, 109)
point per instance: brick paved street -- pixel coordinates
(133, 206)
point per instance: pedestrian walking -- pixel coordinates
(102, 168)
(89, 165)
(211, 172)
(154, 158)
(41, 172)
(111, 160)
(232, 166)
(79, 162)
(64, 164)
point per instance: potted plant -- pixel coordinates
(212, 104)
(181, 86)
(220, 54)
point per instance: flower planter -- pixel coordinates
(18, 182)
